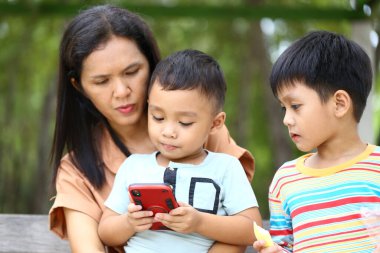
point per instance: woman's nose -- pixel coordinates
(121, 88)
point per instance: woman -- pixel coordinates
(107, 55)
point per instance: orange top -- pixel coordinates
(74, 191)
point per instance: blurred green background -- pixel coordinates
(245, 36)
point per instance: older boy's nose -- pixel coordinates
(288, 120)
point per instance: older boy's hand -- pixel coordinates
(183, 219)
(137, 219)
(259, 247)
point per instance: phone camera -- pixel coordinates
(136, 193)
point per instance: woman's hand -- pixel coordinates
(183, 219)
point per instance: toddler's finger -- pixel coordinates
(133, 208)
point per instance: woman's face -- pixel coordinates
(115, 78)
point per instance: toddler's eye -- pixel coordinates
(157, 118)
(186, 123)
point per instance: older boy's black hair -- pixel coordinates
(326, 62)
(192, 69)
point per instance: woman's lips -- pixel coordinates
(125, 109)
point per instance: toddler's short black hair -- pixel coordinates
(326, 62)
(192, 69)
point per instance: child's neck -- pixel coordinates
(195, 159)
(333, 154)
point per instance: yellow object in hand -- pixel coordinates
(262, 235)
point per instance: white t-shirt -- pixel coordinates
(218, 185)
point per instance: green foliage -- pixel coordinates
(28, 63)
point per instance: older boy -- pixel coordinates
(322, 82)
(186, 97)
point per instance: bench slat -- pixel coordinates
(29, 233)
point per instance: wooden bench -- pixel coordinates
(28, 233)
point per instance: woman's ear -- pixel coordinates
(75, 84)
(218, 121)
(342, 102)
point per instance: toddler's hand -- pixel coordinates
(137, 219)
(259, 246)
(183, 219)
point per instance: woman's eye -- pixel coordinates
(131, 72)
(186, 123)
(100, 82)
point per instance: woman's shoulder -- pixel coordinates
(220, 141)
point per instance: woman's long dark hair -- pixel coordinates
(76, 116)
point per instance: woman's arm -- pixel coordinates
(235, 229)
(82, 232)
(219, 247)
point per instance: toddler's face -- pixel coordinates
(179, 122)
(310, 122)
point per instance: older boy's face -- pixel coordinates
(179, 122)
(310, 122)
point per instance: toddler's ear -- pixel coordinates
(218, 121)
(343, 103)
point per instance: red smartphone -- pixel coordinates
(158, 198)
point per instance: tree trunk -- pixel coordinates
(257, 58)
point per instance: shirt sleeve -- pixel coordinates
(73, 192)
(220, 141)
(118, 200)
(281, 228)
(240, 198)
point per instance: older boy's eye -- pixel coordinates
(295, 107)
(283, 109)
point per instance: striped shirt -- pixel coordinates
(318, 210)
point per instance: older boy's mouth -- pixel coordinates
(294, 137)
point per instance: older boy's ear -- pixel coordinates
(218, 121)
(342, 102)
